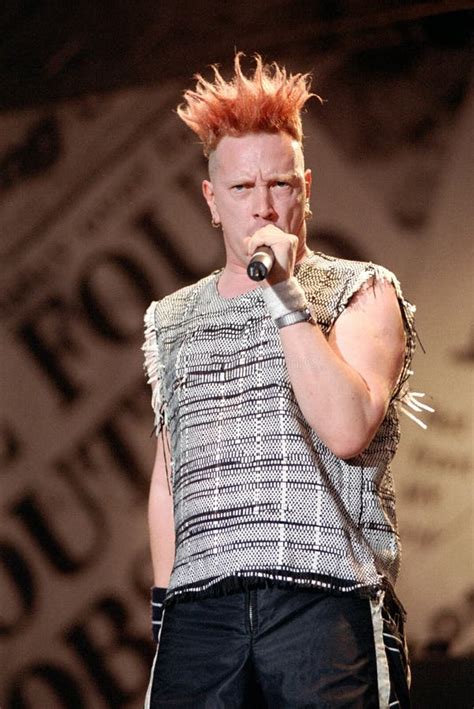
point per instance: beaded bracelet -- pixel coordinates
(157, 606)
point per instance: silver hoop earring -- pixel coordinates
(215, 224)
(307, 210)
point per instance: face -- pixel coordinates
(257, 179)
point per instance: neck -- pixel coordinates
(234, 281)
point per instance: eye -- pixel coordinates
(281, 184)
(239, 188)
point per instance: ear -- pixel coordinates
(209, 196)
(308, 179)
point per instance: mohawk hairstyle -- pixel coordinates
(270, 101)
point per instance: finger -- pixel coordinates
(270, 236)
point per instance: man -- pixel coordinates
(272, 519)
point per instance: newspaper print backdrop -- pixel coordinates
(436, 497)
(101, 212)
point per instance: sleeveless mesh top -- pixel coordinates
(257, 495)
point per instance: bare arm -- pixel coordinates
(343, 384)
(160, 516)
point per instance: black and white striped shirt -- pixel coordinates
(257, 495)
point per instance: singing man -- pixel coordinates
(272, 510)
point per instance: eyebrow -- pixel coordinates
(274, 177)
(283, 177)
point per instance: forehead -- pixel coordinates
(262, 152)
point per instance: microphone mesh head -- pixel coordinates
(257, 271)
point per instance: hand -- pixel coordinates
(283, 245)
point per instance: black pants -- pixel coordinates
(279, 648)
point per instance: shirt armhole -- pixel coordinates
(153, 367)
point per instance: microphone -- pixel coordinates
(261, 263)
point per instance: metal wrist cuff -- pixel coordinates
(296, 316)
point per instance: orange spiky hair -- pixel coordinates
(270, 101)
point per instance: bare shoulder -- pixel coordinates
(376, 302)
(370, 334)
(372, 289)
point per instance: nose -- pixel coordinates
(262, 203)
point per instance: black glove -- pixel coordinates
(157, 605)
